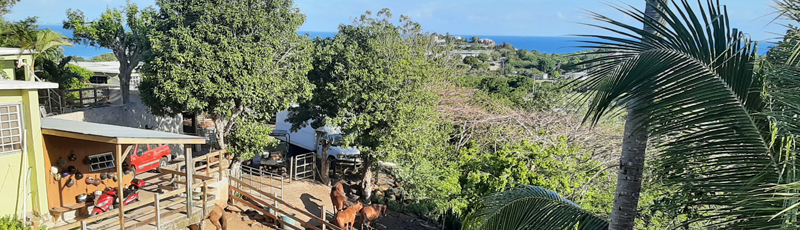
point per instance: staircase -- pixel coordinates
(50, 100)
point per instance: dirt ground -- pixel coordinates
(308, 196)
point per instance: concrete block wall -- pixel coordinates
(134, 114)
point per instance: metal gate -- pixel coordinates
(263, 180)
(303, 166)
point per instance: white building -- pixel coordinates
(107, 72)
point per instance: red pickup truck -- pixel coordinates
(146, 157)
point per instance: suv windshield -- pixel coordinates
(337, 140)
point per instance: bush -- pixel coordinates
(249, 138)
(12, 223)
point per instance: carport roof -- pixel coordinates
(113, 134)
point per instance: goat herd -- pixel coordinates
(345, 217)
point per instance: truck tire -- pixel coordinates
(333, 164)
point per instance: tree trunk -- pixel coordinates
(220, 127)
(634, 146)
(125, 83)
(366, 179)
(325, 168)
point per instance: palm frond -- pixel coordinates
(694, 83)
(531, 207)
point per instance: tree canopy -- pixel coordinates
(225, 62)
(122, 30)
(374, 79)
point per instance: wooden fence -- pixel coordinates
(86, 97)
(237, 186)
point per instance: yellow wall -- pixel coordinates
(9, 67)
(11, 192)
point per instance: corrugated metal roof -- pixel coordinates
(8, 51)
(114, 134)
(103, 66)
(17, 84)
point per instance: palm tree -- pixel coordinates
(724, 134)
(528, 206)
(26, 35)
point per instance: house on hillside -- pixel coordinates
(486, 41)
(107, 73)
(12, 70)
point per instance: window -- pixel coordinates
(10, 129)
(153, 146)
(101, 161)
(140, 149)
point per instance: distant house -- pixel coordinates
(576, 75)
(470, 53)
(107, 72)
(487, 41)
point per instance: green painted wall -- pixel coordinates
(11, 172)
(8, 66)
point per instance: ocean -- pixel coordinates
(558, 45)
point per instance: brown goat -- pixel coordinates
(346, 219)
(371, 213)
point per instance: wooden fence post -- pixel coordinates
(83, 225)
(158, 211)
(205, 199)
(208, 165)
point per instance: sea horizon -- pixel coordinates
(543, 44)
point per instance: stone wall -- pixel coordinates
(134, 114)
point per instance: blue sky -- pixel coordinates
(466, 17)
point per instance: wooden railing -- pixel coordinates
(125, 208)
(86, 97)
(156, 201)
(259, 204)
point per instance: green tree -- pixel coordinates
(484, 57)
(104, 57)
(66, 75)
(5, 6)
(475, 39)
(224, 61)
(122, 30)
(373, 79)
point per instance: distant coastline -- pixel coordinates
(559, 45)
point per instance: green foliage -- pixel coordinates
(26, 34)
(372, 79)
(104, 57)
(225, 61)
(531, 207)
(12, 223)
(559, 167)
(67, 76)
(124, 31)
(5, 6)
(483, 57)
(249, 138)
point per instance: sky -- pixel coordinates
(460, 17)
